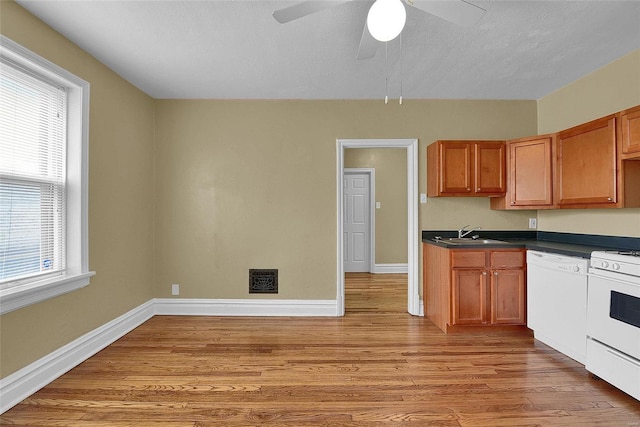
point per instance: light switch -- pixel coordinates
(377, 205)
(423, 197)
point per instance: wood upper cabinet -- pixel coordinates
(630, 132)
(466, 168)
(455, 168)
(474, 287)
(490, 168)
(530, 171)
(587, 165)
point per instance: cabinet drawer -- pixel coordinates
(507, 259)
(467, 258)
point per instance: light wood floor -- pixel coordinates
(375, 366)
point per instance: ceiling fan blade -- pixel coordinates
(368, 45)
(304, 8)
(456, 11)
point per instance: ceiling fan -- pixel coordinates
(386, 18)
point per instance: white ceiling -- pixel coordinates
(236, 50)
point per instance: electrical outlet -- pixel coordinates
(423, 198)
(533, 223)
(175, 289)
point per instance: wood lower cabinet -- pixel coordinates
(508, 297)
(474, 287)
(466, 168)
(469, 297)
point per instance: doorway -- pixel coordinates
(411, 147)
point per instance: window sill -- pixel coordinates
(21, 296)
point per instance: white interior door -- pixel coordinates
(357, 222)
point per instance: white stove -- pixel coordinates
(613, 319)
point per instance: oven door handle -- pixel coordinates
(624, 357)
(609, 276)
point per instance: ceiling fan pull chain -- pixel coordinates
(386, 72)
(400, 68)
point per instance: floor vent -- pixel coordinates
(263, 281)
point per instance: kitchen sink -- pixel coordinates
(468, 241)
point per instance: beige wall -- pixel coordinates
(390, 165)
(605, 91)
(252, 184)
(120, 205)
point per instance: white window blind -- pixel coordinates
(32, 176)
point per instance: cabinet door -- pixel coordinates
(530, 172)
(489, 168)
(508, 297)
(469, 299)
(456, 168)
(587, 164)
(630, 130)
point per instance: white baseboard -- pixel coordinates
(23, 383)
(390, 268)
(244, 307)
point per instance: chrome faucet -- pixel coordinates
(463, 231)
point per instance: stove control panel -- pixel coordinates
(614, 262)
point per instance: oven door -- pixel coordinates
(613, 311)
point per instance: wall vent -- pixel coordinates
(263, 281)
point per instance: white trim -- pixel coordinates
(413, 234)
(23, 383)
(372, 211)
(77, 274)
(391, 268)
(244, 307)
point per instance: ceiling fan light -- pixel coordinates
(386, 19)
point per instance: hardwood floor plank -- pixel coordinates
(376, 366)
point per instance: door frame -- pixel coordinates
(411, 145)
(372, 211)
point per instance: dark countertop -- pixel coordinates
(578, 245)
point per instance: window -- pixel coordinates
(43, 179)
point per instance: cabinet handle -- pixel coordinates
(484, 273)
(609, 199)
(468, 189)
(495, 273)
(513, 203)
